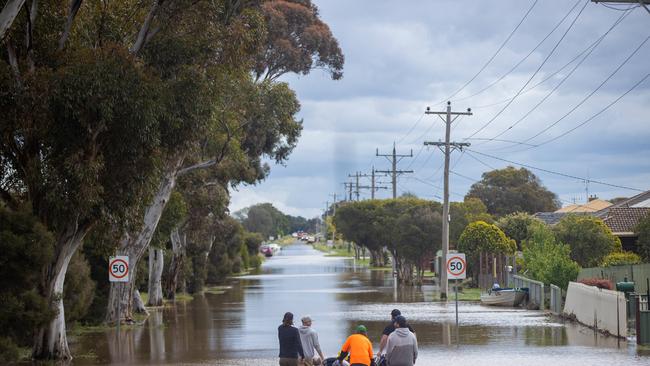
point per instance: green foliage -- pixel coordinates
(265, 219)
(517, 226)
(589, 238)
(546, 259)
(462, 213)
(620, 259)
(245, 258)
(297, 41)
(26, 247)
(9, 351)
(79, 289)
(643, 243)
(510, 190)
(481, 237)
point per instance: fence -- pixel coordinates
(598, 308)
(535, 289)
(641, 318)
(556, 299)
(637, 273)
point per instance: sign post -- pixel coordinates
(118, 271)
(456, 270)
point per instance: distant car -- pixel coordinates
(311, 239)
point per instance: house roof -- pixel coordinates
(592, 206)
(640, 200)
(550, 218)
(625, 219)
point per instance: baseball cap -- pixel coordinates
(362, 328)
(395, 313)
(306, 318)
(401, 321)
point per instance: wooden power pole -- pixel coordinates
(394, 158)
(447, 147)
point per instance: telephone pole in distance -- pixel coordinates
(394, 158)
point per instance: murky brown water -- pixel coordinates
(239, 327)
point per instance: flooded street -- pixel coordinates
(239, 327)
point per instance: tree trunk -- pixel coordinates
(8, 15)
(134, 246)
(138, 304)
(178, 257)
(155, 275)
(50, 341)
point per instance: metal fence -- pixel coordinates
(556, 299)
(637, 273)
(535, 289)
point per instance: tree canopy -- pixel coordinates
(510, 190)
(643, 243)
(589, 238)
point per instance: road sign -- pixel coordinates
(456, 266)
(118, 268)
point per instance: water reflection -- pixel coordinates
(239, 327)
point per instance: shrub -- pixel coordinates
(589, 238)
(643, 231)
(598, 282)
(79, 289)
(620, 259)
(548, 260)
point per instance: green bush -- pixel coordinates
(548, 260)
(9, 351)
(26, 248)
(245, 257)
(620, 259)
(79, 289)
(643, 231)
(589, 238)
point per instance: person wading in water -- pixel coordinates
(291, 352)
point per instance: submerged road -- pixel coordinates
(239, 327)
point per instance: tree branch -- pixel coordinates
(144, 30)
(13, 60)
(8, 15)
(202, 165)
(72, 13)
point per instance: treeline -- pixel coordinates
(267, 220)
(124, 126)
(410, 230)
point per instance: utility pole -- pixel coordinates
(394, 158)
(348, 187)
(334, 215)
(358, 187)
(448, 147)
(374, 187)
(642, 3)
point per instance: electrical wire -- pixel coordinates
(411, 129)
(489, 61)
(534, 74)
(523, 59)
(593, 92)
(557, 173)
(597, 113)
(565, 78)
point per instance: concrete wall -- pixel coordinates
(637, 273)
(602, 309)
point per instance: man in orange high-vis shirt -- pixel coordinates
(359, 348)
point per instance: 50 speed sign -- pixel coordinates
(118, 268)
(456, 266)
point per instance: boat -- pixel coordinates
(267, 250)
(510, 297)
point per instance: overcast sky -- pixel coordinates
(402, 56)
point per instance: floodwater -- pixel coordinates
(239, 327)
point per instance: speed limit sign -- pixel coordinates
(456, 266)
(118, 268)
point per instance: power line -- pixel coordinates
(489, 61)
(565, 78)
(557, 173)
(411, 129)
(597, 113)
(534, 74)
(523, 59)
(592, 92)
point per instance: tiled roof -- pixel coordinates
(639, 199)
(592, 206)
(550, 218)
(625, 219)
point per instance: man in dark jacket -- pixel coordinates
(290, 346)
